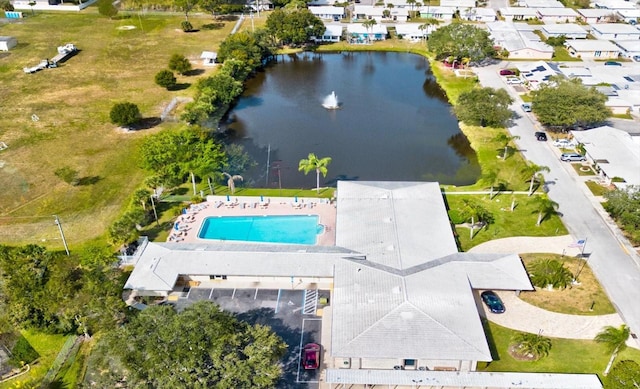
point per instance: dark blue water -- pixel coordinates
(394, 122)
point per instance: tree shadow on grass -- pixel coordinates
(146, 123)
(180, 86)
(194, 72)
(89, 180)
(291, 336)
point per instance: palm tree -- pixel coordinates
(505, 139)
(314, 163)
(368, 24)
(532, 170)
(425, 26)
(476, 211)
(142, 196)
(533, 344)
(411, 4)
(231, 181)
(490, 178)
(545, 208)
(550, 272)
(615, 340)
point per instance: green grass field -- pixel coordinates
(72, 103)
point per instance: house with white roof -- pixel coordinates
(540, 4)
(595, 15)
(535, 74)
(517, 43)
(440, 13)
(590, 48)
(518, 13)
(327, 12)
(403, 299)
(483, 15)
(631, 16)
(459, 4)
(357, 33)
(412, 31)
(614, 4)
(629, 49)
(615, 31)
(614, 152)
(569, 31)
(557, 15)
(377, 13)
(332, 33)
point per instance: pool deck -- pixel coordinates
(191, 222)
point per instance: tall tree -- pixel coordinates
(314, 163)
(545, 208)
(484, 106)
(492, 180)
(533, 171)
(294, 26)
(200, 347)
(231, 181)
(505, 138)
(474, 211)
(186, 6)
(614, 338)
(461, 40)
(563, 103)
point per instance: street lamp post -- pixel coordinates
(64, 241)
(153, 205)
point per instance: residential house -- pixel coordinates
(595, 15)
(328, 12)
(535, 74)
(412, 32)
(614, 4)
(569, 31)
(379, 13)
(590, 48)
(357, 33)
(332, 33)
(540, 4)
(557, 15)
(259, 5)
(517, 43)
(615, 31)
(629, 49)
(483, 15)
(614, 152)
(404, 301)
(440, 13)
(631, 16)
(458, 4)
(7, 43)
(518, 13)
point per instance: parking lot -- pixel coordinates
(290, 313)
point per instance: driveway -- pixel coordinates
(611, 257)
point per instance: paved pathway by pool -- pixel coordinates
(257, 206)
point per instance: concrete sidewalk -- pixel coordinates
(525, 317)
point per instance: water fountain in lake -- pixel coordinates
(331, 101)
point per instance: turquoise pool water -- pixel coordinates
(294, 229)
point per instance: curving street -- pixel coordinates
(610, 256)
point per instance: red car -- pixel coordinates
(507, 72)
(311, 356)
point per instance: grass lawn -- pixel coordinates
(561, 54)
(576, 300)
(72, 103)
(583, 170)
(520, 222)
(595, 188)
(47, 346)
(566, 356)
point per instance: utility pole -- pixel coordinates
(153, 205)
(64, 241)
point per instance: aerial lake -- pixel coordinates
(393, 121)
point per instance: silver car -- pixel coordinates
(572, 157)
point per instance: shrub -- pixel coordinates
(550, 272)
(532, 344)
(165, 79)
(106, 8)
(68, 175)
(186, 26)
(124, 114)
(178, 63)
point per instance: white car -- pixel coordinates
(565, 143)
(514, 80)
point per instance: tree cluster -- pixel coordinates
(294, 27)
(550, 272)
(562, 104)
(241, 54)
(200, 347)
(623, 206)
(52, 292)
(460, 40)
(484, 107)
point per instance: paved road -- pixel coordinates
(611, 261)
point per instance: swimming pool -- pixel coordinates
(294, 229)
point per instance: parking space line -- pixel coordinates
(255, 296)
(211, 293)
(233, 295)
(278, 300)
(300, 354)
(188, 293)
